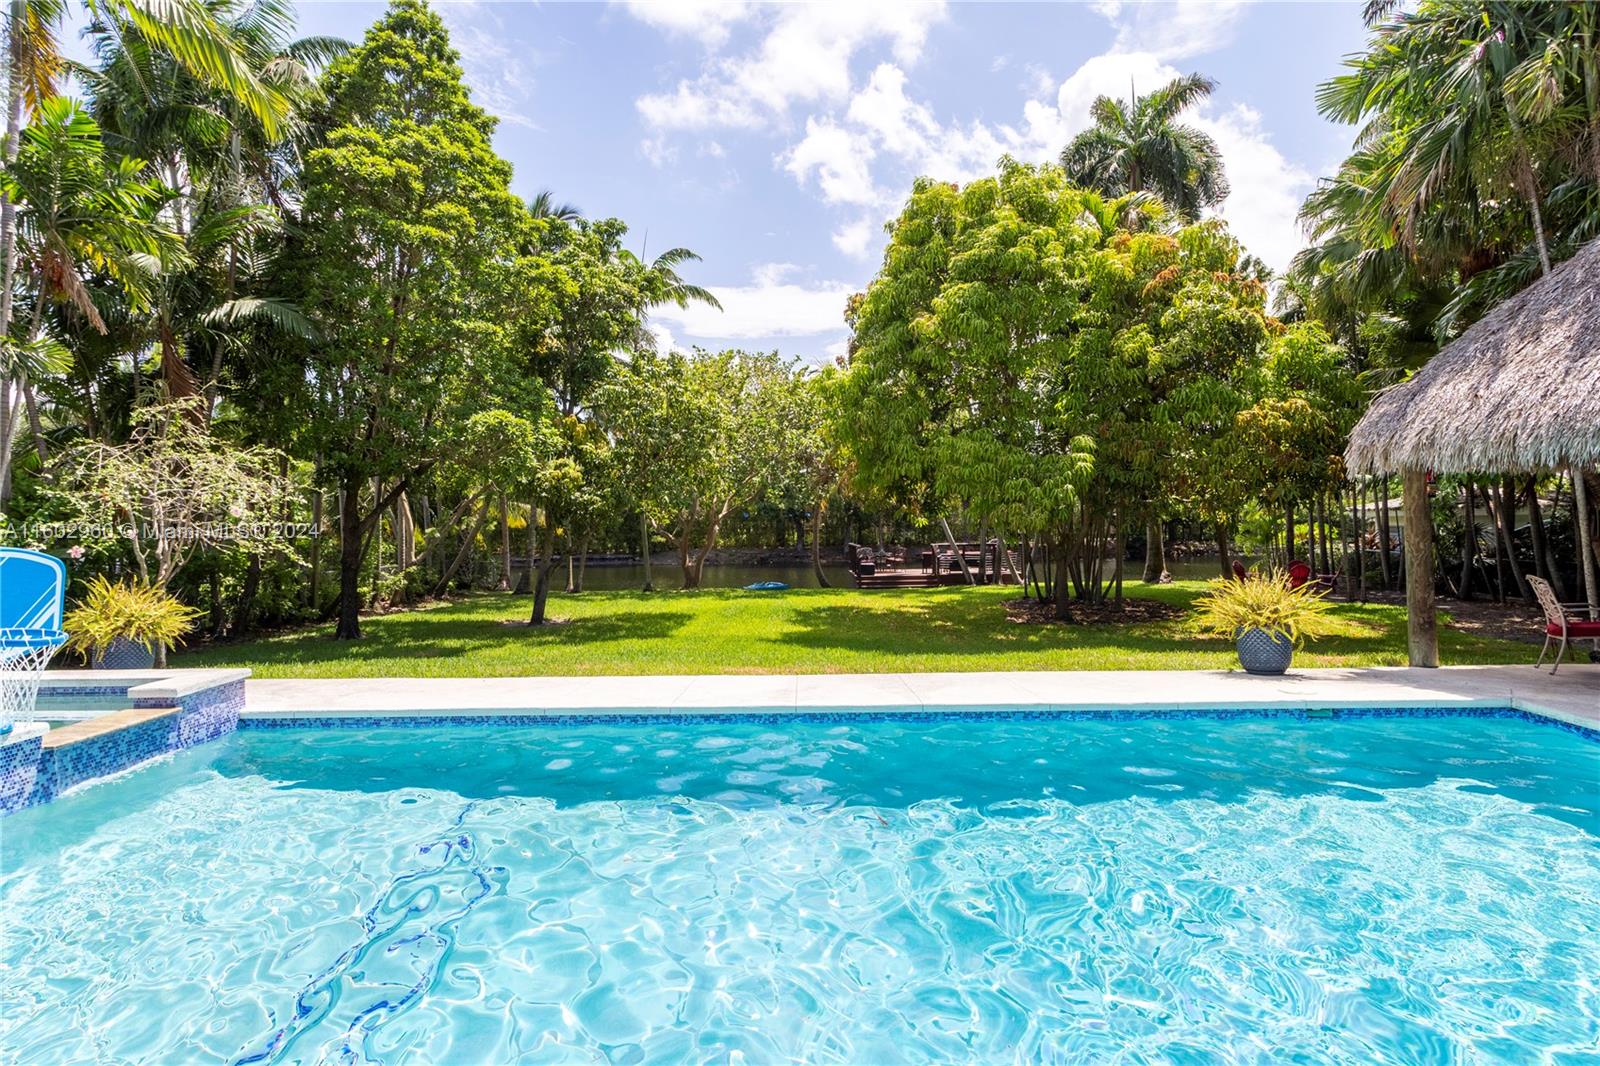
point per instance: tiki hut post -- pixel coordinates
(1517, 392)
(1580, 504)
(1422, 626)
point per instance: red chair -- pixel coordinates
(1299, 574)
(1239, 572)
(1560, 622)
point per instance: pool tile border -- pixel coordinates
(769, 716)
(155, 726)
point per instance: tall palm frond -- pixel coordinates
(1139, 146)
(544, 205)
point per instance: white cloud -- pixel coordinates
(1113, 74)
(1266, 189)
(658, 151)
(773, 304)
(708, 21)
(803, 59)
(854, 238)
(498, 75)
(839, 158)
(1172, 30)
(665, 341)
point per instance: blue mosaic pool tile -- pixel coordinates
(200, 717)
(843, 716)
(19, 770)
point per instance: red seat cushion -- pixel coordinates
(1575, 630)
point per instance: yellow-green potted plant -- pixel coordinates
(1266, 618)
(122, 627)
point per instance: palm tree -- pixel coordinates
(1464, 109)
(184, 29)
(78, 210)
(233, 179)
(1138, 145)
(545, 205)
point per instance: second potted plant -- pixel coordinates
(1266, 618)
(126, 627)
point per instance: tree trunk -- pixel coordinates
(1122, 550)
(816, 546)
(576, 558)
(1322, 529)
(1382, 502)
(1063, 593)
(1361, 539)
(215, 622)
(1588, 547)
(405, 529)
(1225, 564)
(504, 584)
(1469, 542)
(467, 543)
(1541, 545)
(1155, 552)
(961, 557)
(15, 42)
(644, 550)
(247, 598)
(705, 550)
(316, 549)
(541, 587)
(1506, 522)
(1422, 633)
(983, 551)
(1288, 534)
(350, 545)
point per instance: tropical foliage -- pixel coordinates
(1263, 600)
(281, 343)
(137, 613)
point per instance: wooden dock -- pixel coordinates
(931, 567)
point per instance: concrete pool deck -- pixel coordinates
(1572, 695)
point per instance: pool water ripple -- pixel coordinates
(1395, 891)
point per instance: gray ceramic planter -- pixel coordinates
(1263, 652)
(124, 654)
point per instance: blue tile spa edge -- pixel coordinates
(198, 717)
(706, 717)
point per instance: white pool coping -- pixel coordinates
(1572, 695)
(143, 684)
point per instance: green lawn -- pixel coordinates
(715, 631)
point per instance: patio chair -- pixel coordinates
(1560, 621)
(1299, 574)
(1239, 572)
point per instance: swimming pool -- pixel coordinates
(1359, 889)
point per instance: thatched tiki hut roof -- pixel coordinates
(1518, 391)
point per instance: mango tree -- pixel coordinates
(409, 230)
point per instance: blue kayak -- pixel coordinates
(766, 586)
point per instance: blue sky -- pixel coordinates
(775, 140)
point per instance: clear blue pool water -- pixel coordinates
(1350, 890)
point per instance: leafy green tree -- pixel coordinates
(185, 30)
(1138, 145)
(409, 234)
(700, 436)
(170, 491)
(958, 388)
(80, 210)
(1475, 164)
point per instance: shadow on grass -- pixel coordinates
(945, 623)
(467, 629)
